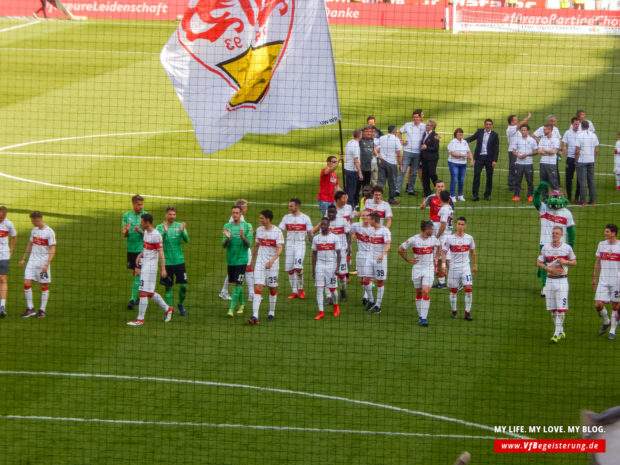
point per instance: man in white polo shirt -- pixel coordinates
(548, 147)
(414, 130)
(512, 132)
(524, 148)
(581, 114)
(586, 151)
(352, 167)
(390, 150)
(569, 143)
(555, 134)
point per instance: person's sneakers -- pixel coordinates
(241, 309)
(543, 291)
(364, 301)
(453, 198)
(370, 306)
(230, 313)
(136, 322)
(516, 198)
(302, 294)
(253, 321)
(375, 309)
(612, 336)
(320, 316)
(169, 314)
(28, 313)
(294, 295)
(487, 198)
(453, 314)
(181, 310)
(271, 318)
(554, 339)
(592, 203)
(2, 312)
(468, 317)
(604, 329)
(131, 304)
(562, 336)
(618, 188)
(40, 314)
(530, 198)
(225, 296)
(461, 198)
(441, 286)
(343, 295)
(423, 322)
(435, 286)
(475, 199)
(336, 310)
(329, 301)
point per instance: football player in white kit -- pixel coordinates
(298, 229)
(460, 245)
(152, 251)
(380, 242)
(425, 257)
(446, 213)
(360, 232)
(41, 248)
(381, 207)
(607, 270)
(555, 258)
(326, 251)
(6, 230)
(268, 245)
(344, 210)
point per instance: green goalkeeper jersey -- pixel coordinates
(134, 239)
(173, 243)
(236, 250)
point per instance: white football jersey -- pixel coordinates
(151, 243)
(459, 247)
(550, 255)
(362, 234)
(550, 218)
(378, 238)
(423, 249)
(6, 230)
(340, 227)
(268, 241)
(345, 212)
(296, 227)
(445, 216)
(382, 208)
(41, 239)
(609, 256)
(326, 247)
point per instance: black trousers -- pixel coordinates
(570, 174)
(487, 164)
(429, 173)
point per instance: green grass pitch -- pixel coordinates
(89, 117)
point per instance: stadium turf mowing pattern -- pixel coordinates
(360, 388)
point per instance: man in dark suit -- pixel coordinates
(485, 156)
(429, 155)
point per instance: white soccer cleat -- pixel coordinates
(169, 313)
(136, 322)
(225, 296)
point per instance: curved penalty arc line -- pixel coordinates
(264, 389)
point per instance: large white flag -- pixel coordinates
(253, 66)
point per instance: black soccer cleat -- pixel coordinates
(370, 306)
(343, 295)
(604, 329)
(271, 318)
(375, 309)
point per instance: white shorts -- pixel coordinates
(456, 276)
(343, 266)
(266, 277)
(362, 266)
(325, 276)
(378, 270)
(295, 253)
(148, 276)
(607, 292)
(422, 277)
(33, 272)
(556, 294)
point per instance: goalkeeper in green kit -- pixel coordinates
(237, 240)
(174, 234)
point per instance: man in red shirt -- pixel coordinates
(328, 184)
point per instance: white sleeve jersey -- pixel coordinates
(326, 247)
(459, 248)
(423, 249)
(378, 238)
(382, 208)
(6, 230)
(268, 241)
(345, 212)
(550, 255)
(609, 256)
(362, 234)
(445, 216)
(340, 227)
(151, 243)
(41, 239)
(296, 227)
(550, 218)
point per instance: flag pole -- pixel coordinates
(344, 178)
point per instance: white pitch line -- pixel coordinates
(18, 26)
(264, 389)
(252, 427)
